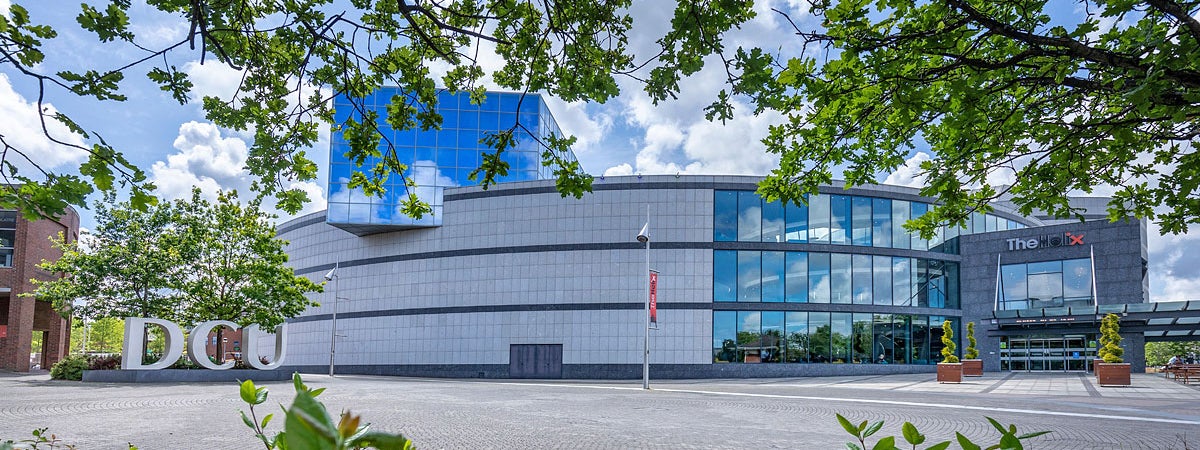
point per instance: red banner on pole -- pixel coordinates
(653, 297)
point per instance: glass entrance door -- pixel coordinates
(1045, 353)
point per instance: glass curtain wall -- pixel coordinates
(437, 158)
(1047, 284)
(823, 337)
(835, 219)
(836, 278)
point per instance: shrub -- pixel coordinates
(1110, 339)
(69, 368)
(104, 362)
(971, 352)
(948, 348)
(184, 363)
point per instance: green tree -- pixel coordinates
(103, 335)
(949, 349)
(1110, 339)
(127, 269)
(971, 352)
(296, 55)
(235, 265)
(1158, 353)
(1057, 102)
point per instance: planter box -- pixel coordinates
(972, 367)
(949, 372)
(1114, 374)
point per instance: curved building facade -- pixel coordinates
(520, 282)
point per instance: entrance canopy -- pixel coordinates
(1157, 321)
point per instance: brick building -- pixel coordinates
(24, 244)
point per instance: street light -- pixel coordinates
(332, 276)
(644, 236)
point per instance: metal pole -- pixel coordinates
(646, 298)
(333, 321)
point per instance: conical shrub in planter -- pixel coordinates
(1113, 371)
(949, 370)
(972, 365)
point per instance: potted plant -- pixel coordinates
(1113, 371)
(972, 365)
(949, 370)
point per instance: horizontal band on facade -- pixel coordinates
(599, 246)
(624, 371)
(300, 223)
(687, 185)
(626, 306)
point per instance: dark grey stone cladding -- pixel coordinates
(184, 375)
(1119, 271)
(629, 371)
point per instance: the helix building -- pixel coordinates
(517, 281)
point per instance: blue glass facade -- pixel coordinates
(743, 216)
(864, 335)
(441, 158)
(1046, 284)
(828, 337)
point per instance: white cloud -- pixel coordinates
(575, 120)
(206, 159)
(698, 146)
(910, 173)
(22, 129)
(212, 79)
(4, 6)
(155, 34)
(619, 170)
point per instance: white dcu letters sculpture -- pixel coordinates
(135, 329)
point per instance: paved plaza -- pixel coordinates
(1154, 413)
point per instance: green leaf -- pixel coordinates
(308, 425)
(873, 428)
(965, 443)
(248, 393)
(267, 420)
(997, 425)
(849, 427)
(1010, 442)
(853, 446)
(1031, 435)
(911, 435)
(246, 420)
(382, 441)
(887, 443)
(940, 446)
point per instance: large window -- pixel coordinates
(834, 219)
(1046, 284)
(823, 337)
(8, 234)
(839, 278)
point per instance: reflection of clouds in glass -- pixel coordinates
(750, 320)
(431, 183)
(354, 206)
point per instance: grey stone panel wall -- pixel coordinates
(1119, 251)
(523, 244)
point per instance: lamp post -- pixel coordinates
(644, 236)
(332, 275)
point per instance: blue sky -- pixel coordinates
(627, 135)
